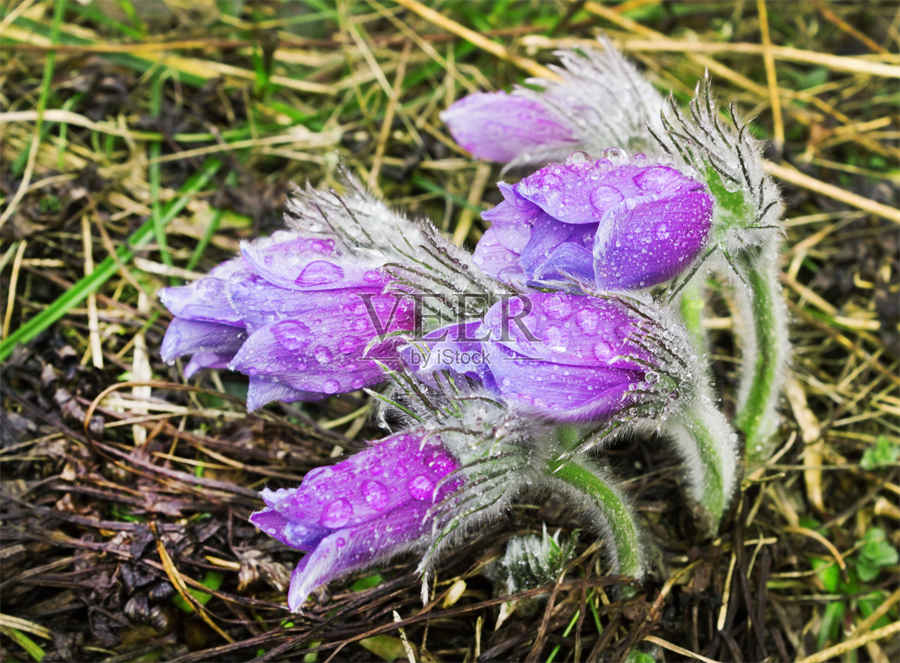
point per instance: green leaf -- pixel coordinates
(831, 623)
(34, 649)
(366, 583)
(869, 603)
(875, 553)
(883, 452)
(386, 647)
(828, 573)
(212, 579)
(635, 656)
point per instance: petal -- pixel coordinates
(454, 348)
(205, 298)
(206, 359)
(393, 472)
(560, 392)
(328, 351)
(653, 241)
(566, 262)
(567, 191)
(356, 547)
(498, 126)
(260, 303)
(555, 246)
(564, 328)
(188, 336)
(492, 256)
(299, 536)
(309, 263)
(261, 391)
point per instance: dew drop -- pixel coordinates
(657, 179)
(336, 514)
(587, 320)
(291, 334)
(557, 307)
(372, 276)
(420, 487)
(604, 197)
(375, 494)
(340, 542)
(576, 158)
(331, 386)
(320, 272)
(603, 351)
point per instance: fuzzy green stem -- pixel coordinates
(708, 445)
(760, 386)
(618, 514)
(691, 310)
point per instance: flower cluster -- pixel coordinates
(513, 365)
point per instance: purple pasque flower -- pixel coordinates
(366, 508)
(297, 314)
(612, 226)
(498, 126)
(561, 356)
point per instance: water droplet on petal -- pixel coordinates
(292, 334)
(336, 514)
(557, 306)
(420, 487)
(605, 197)
(320, 272)
(577, 157)
(331, 386)
(603, 351)
(587, 320)
(340, 542)
(658, 179)
(372, 276)
(322, 354)
(375, 494)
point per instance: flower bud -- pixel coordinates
(368, 507)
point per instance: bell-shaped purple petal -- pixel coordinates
(189, 336)
(605, 225)
(560, 392)
(329, 350)
(357, 547)
(655, 238)
(370, 483)
(370, 506)
(309, 263)
(206, 359)
(297, 535)
(205, 299)
(261, 391)
(498, 126)
(456, 348)
(557, 355)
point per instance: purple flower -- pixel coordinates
(296, 314)
(366, 508)
(560, 356)
(611, 226)
(498, 126)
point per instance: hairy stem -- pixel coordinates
(579, 475)
(691, 311)
(708, 445)
(765, 353)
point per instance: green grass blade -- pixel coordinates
(107, 268)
